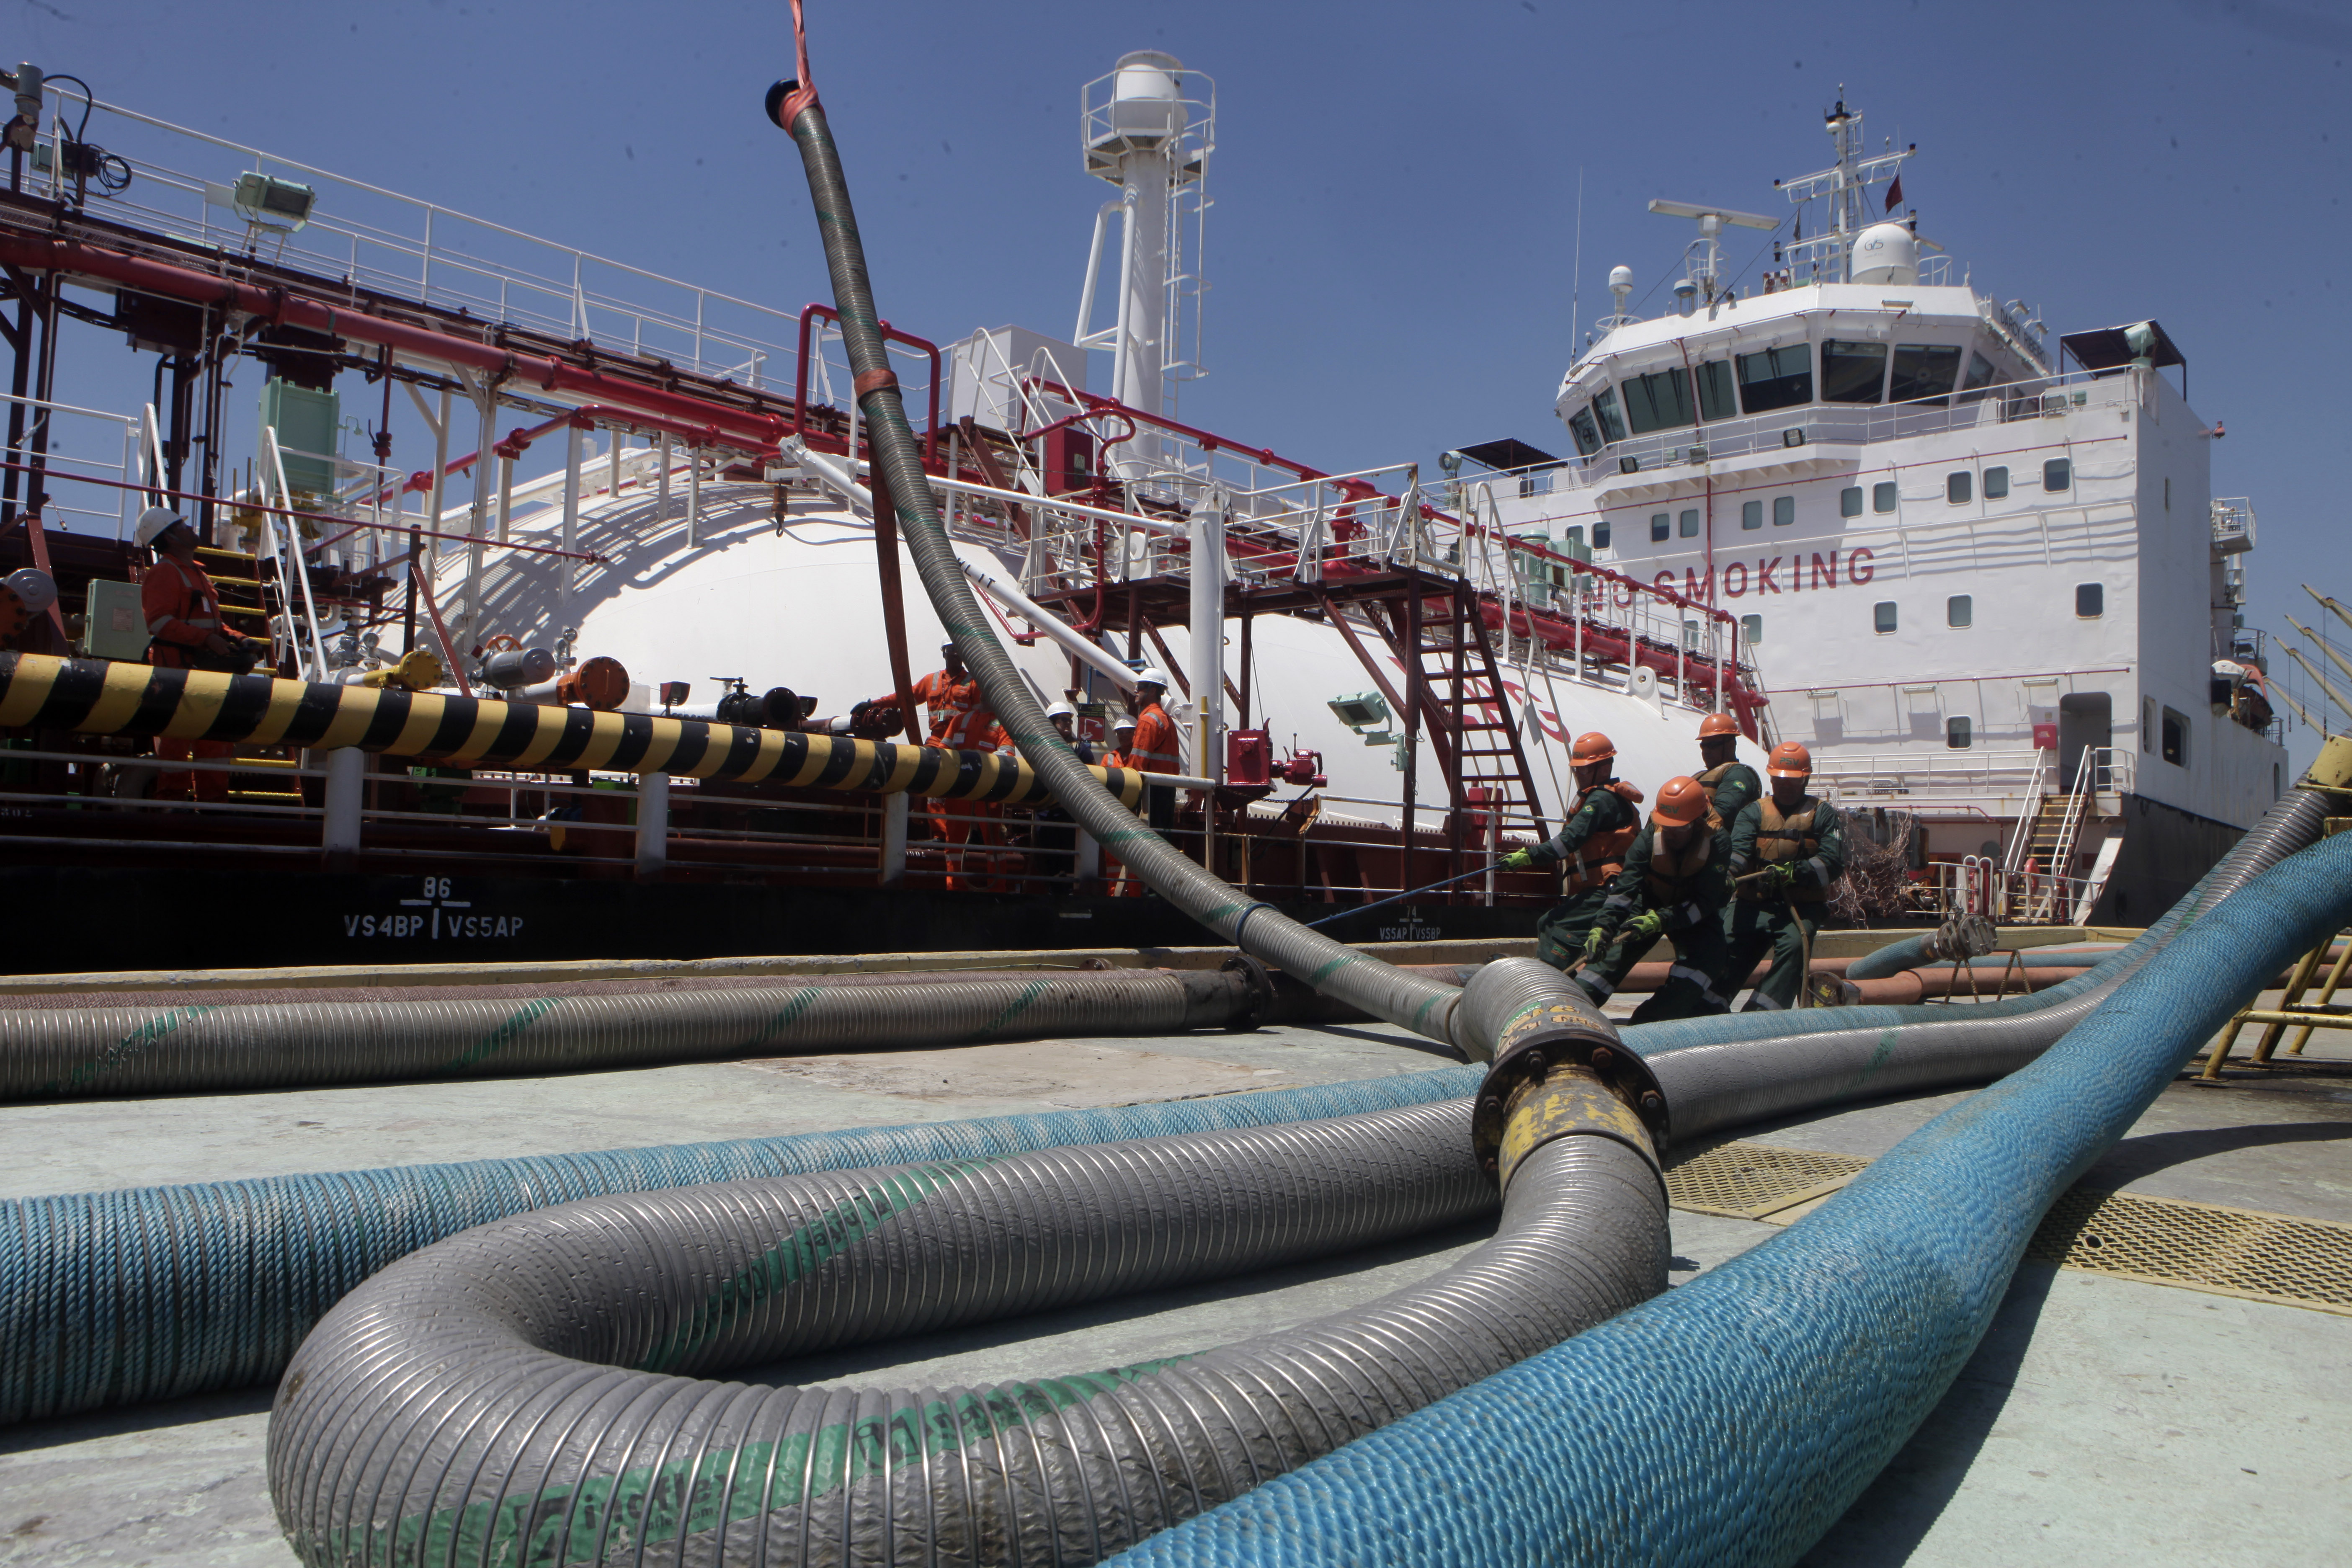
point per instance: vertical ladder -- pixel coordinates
(1465, 712)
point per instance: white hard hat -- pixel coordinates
(1152, 675)
(1061, 710)
(1122, 723)
(151, 524)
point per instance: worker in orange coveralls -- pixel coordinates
(959, 719)
(182, 611)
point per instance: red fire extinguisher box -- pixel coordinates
(2045, 737)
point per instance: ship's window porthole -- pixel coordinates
(1853, 372)
(2089, 600)
(1959, 610)
(1958, 734)
(1688, 525)
(1882, 617)
(1776, 378)
(1881, 496)
(1587, 435)
(1715, 391)
(1850, 501)
(1661, 524)
(1784, 510)
(2057, 474)
(1959, 487)
(1751, 514)
(1752, 628)
(1600, 533)
(1996, 484)
(2175, 747)
(1659, 401)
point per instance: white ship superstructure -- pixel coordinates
(1983, 587)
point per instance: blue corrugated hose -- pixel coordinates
(1733, 1420)
(158, 1292)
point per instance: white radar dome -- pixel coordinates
(1620, 278)
(1887, 253)
(1144, 95)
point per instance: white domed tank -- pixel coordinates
(1887, 253)
(801, 606)
(1145, 106)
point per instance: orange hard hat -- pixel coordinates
(1683, 802)
(1789, 761)
(1592, 746)
(1715, 724)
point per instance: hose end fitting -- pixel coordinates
(1256, 1008)
(1559, 1070)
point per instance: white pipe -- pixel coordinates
(653, 822)
(346, 784)
(1094, 270)
(1208, 633)
(836, 474)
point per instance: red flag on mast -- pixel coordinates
(1895, 193)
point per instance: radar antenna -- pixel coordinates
(1825, 255)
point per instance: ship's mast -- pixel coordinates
(1148, 128)
(1825, 255)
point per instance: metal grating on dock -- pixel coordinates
(2163, 1241)
(2230, 1252)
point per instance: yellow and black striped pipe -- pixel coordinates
(103, 697)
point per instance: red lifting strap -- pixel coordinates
(875, 381)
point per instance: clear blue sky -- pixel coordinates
(1396, 185)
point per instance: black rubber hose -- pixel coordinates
(1412, 1002)
(191, 1046)
(527, 1392)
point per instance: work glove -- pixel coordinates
(1518, 860)
(1780, 876)
(1594, 941)
(1645, 925)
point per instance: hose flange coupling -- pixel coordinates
(1256, 1008)
(1559, 1070)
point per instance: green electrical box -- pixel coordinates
(114, 624)
(307, 424)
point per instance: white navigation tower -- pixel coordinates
(1148, 128)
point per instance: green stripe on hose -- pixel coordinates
(131, 1045)
(1013, 1009)
(505, 1034)
(687, 1497)
(798, 1255)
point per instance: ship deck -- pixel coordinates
(2103, 1420)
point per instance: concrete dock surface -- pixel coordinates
(2103, 1420)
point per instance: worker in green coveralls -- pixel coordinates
(1798, 843)
(1589, 847)
(1676, 883)
(1732, 782)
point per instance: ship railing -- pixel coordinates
(2234, 524)
(82, 442)
(1945, 772)
(1977, 886)
(185, 185)
(1787, 431)
(491, 820)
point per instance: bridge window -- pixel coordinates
(1715, 390)
(1996, 484)
(1959, 610)
(1784, 510)
(2089, 600)
(2176, 739)
(1980, 375)
(1688, 524)
(1587, 434)
(1850, 501)
(1959, 487)
(1661, 524)
(2057, 474)
(1752, 628)
(1923, 370)
(1604, 408)
(1882, 617)
(1751, 514)
(1659, 401)
(1853, 372)
(1600, 533)
(1776, 378)
(1883, 496)
(1960, 734)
